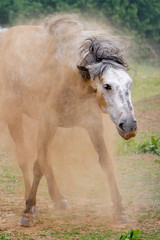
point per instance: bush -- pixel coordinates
(152, 146)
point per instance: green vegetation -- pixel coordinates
(157, 160)
(142, 17)
(150, 146)
(146, 83)
(4, 236)
(9, 179)
(85, 235)
(133, 234)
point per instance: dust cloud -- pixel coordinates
(74, 160)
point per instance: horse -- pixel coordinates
(63, 76)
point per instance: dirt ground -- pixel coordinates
(83, 183)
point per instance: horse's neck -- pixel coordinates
(79, 86)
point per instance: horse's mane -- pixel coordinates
(99, 52)
(87, 47)
(98, 48)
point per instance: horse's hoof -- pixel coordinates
(35, 210)
(62, 205)
(123, 218)
(27, 220)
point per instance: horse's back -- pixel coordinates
(24, 50)
(36, 63)
(25, 66)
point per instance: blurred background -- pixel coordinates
(139, 20)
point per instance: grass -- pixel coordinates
(149, 236)
(148, 138)
(151, 145)
(10, 180)
(139, 181)
(146, 81)
(84, 234)
(149, 214)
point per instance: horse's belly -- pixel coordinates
(32, 107)
(68, 119)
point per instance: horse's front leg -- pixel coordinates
(47, 127)
(96, 135)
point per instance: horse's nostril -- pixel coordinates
(127, 126)
(121, 126)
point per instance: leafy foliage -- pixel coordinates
(151, 146)
(157, 160)
(4, 237)
(140, 16)
(131, 235)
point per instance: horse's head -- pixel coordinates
(112, 83)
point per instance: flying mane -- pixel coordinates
(83, 47)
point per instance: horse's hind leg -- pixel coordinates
(47, 128)
(15, 126)
(96, 135)
(45, 138)
(60, 202)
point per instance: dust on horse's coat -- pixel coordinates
(60, 75)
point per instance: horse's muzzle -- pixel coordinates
(127, 129)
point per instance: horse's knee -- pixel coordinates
(37, 169)
(102, 153)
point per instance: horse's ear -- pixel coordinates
(84, 72)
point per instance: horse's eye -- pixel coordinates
(107, 86)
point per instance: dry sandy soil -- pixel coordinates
(82, 182)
